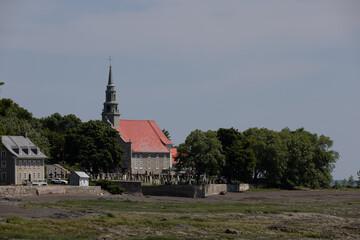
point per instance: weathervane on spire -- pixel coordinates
(110, 60)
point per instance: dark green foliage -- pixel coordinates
(309, 159)
(240, 160)
(166, 133)
(95, 146)
(15, 119)
(270, 152)
(286, 159)
(65, 139)
(57, 128)
(201, 154)
(110, 186)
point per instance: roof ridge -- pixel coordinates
(156, 131)
(11, 138)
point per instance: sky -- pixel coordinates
(191, 64)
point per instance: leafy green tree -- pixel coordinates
(270, 151)
(15, 119)
(95, 146)
(57, 127)
(201, 153)
(240, 160)
(61, 124)
(344, 182)
(351, 181)
(310, 159)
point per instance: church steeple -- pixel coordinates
(110, 82)
(110, 113)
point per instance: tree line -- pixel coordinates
(285, 159)
(91, 145)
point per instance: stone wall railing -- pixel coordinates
(192, 191)
(18, 191)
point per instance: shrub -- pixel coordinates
(110, 186)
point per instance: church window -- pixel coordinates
(149, 162)
(165, 161)
(141, 162)
(135, 162)
(108, 108)
(157, 162)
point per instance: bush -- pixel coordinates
(110, 186)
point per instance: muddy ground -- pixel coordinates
(14, 206)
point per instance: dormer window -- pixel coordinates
(35, 151)
(25, 150)
(16, 150)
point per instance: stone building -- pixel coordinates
(147, 149)
(21, 161)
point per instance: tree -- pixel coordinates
(166, 133)
(15, 119)
(57, 127)
(270, 151)
(95, 146)
(201, 153)
(351, 181)
(240, 160)
(309, 159)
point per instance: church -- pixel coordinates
(147, 151)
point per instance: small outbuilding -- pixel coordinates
(79, 179)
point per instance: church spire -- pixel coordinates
(110, 82)
(111, 114)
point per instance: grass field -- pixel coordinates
(108, 219)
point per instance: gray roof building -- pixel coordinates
(22, 162)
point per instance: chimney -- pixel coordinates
(24, 134)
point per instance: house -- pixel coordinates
(147, 149)
(79, 179)
(21, 161)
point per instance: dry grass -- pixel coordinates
(192, 220)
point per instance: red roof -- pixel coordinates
(145, 135)
(174, 154)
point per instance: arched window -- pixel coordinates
(135, 162)
(165, 161)
(157, 161)
(141, 162)
(149, 162)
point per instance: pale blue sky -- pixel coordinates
(191, 64)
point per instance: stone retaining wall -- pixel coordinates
(192, 191)
(18, 191)
(130, 186)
